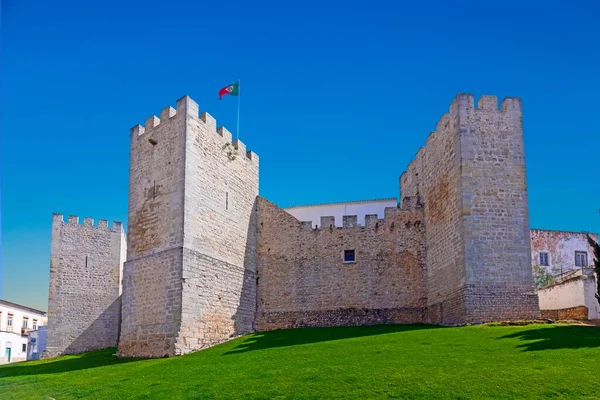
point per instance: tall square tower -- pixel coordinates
(190, 277)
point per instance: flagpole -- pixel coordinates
(237, 129)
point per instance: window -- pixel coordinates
(25, 322)
(9, 323)
(581, 259)
(35, 324)
(24, 347)
(544, 259)
(349, 256)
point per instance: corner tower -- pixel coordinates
(471, 178)
(190, 277)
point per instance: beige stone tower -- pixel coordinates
(84, 303)
(471, 178)
(190, 277)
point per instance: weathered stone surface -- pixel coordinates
(84, 305)
(304, 281)
(471, 176)
(190, 278)
(578, 312)
(208, 260)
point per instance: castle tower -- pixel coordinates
(471, 176)
(84, 303)
(190, 277)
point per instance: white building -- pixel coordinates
(563, 270)
(16, 321)
(338, 210)
(37, 343)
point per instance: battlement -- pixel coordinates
(461, 107)
(72, 220)
(409, 217)
(463, 103)
(188, 107)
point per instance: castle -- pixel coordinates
(206, 258)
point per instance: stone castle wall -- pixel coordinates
(189, 281)
(208, 259)
(84, 305)
(152, 274)
(219, 275)
(304, 281)
(471, 175)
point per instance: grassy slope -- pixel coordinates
(352, 362)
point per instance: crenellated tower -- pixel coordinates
(190, 277)
(84, 302)
(471, 177)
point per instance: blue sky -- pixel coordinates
(336, 100)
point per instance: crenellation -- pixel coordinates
(208, 259)
(512, 105)
(488, 103)
(350, 221)
(167, 113)
(461, 105)
(137, 130)
(306, 225)
(224, 133)
(210, 121)
(187, 106)
(239, 146)
(152, 122)
(327, 222)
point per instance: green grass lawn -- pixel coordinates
(378, 362)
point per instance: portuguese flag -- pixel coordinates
(233, 90)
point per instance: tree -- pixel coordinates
(596, 248)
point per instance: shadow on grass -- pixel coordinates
(558, 337)
(92, 359)
(294, 337)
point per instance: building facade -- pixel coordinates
(564, 274)
(209, 259)
(16, 323)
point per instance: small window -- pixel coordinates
(25, 322)
(581, 259)
(349, 256)
(35, 324)
(544, 259)
(10, 322)
(24, 347)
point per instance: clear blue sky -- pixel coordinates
(336, 100)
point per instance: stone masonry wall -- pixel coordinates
(434, 176)
(471, 175)
(303, 280)
(84, 307)
(190, 277)
(152, 274)
(219, 274)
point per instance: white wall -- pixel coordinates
(564, 295)
(13, 338)
(338, 210)
(579, 291)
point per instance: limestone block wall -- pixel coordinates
(304, 281)
(152, 274)
(471, 174)
(190, 277)
(84, 305)
(219, 274)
